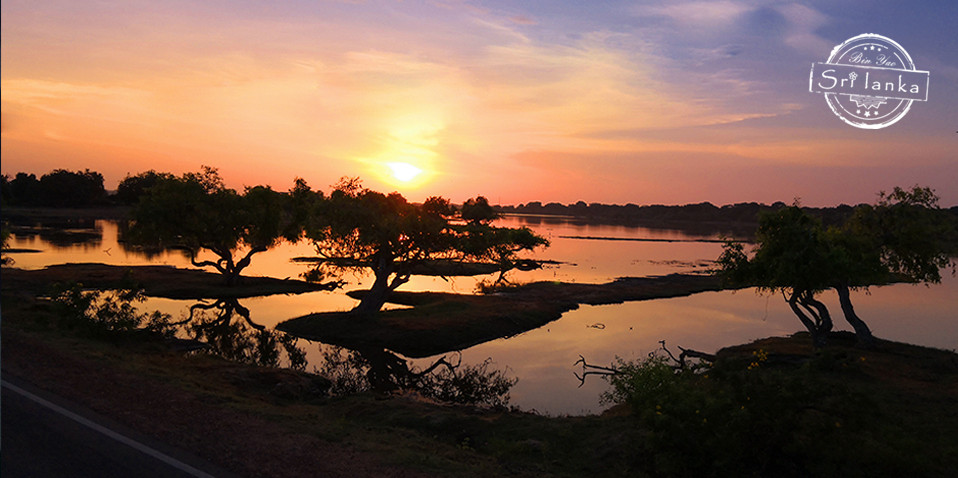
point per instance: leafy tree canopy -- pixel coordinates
(901, 237)
(791, 257)
(133, 187)
(58, 188)
(196, 212)
(358, 227)
(905, 234)
(478, 211)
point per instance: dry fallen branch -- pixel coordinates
(680, 363)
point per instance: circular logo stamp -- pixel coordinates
(869, 81)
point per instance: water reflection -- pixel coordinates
(615, 250)
(688, 231)
(225, 329)
(65, 240)
(60, 233)
(573, 260)
(444, 379)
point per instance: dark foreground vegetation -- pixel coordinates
(776, 407)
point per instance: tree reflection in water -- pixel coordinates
(377, 369)
(227, 331)
(223, 328)
(61, 233)
(149, 252)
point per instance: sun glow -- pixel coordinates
(404, 172)
(405, 156)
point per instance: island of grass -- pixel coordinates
(439, 322)
(155, 281)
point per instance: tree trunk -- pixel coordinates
(819, 324)
(862, 332)
(375, 297)
(242, 264)
(232, 277)
(825, 323)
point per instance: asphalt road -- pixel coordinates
(46, 436)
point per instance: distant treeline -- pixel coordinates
(59, 188)
(63, 188)
(735, 216)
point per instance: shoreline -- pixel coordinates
(157, 281)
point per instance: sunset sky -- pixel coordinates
(610, 101)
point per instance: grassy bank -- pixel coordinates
(156, 281)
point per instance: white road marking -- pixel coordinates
(110, 433)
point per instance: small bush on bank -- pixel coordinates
(753, 418)
(106, 314)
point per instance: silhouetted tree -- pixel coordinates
(791, 257)
(6, 194)
(24, 190)
(361, 228)
(903, 236)
(58, 188)
(62, 188)
(133, 187)
(478, 211)
(196, 211)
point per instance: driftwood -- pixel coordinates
(680, 363)
(687, 353)
(589, 369)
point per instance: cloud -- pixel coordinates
(803, 22)
(699, 14)
(480, 97)
(371, 103)
(523, 20)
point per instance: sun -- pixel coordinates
(406, 156)
(404, 172)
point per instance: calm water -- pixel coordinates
(543, 359)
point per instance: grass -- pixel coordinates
(156, 281)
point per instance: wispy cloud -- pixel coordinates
(523, 20)
(803, 24)
(698, 14)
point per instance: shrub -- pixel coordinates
(106, 313)
(742, 419)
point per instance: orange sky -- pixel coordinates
(672, 103)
